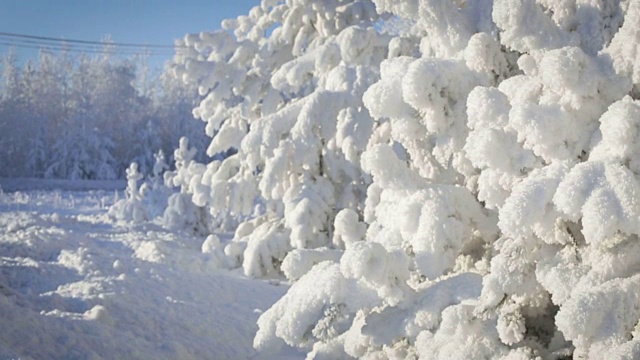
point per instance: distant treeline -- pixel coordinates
(88, 117)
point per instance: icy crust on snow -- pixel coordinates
(468, 181)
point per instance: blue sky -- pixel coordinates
(130, 21)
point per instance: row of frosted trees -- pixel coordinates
(88, 117)
(466, 187)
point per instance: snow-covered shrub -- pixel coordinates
(146, 201)
(131, 208)
(181, 212)
(155, 193)
(465, 188)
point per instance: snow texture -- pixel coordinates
(76, 284)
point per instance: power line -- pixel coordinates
(78, 48)
(102, 43)
(67, 45)
(83, 46)
(54, 47)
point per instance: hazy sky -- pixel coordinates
(131, 21)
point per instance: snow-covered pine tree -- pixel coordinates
(173, 106)
(154, 192)
(498, 143)
(289, 101)
(181, 212)
(131, 208)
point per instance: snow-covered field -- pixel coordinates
(76, 285)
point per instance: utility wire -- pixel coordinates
(75, 41)
(54, 47)
(34, 44)
(75, 46)
(83, 46)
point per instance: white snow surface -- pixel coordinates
(76, 284)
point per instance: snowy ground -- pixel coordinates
(76, 285)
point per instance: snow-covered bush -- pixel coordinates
(465, 187)
(148, 200)
(181, 213)
(131, 208)
(155, 194)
